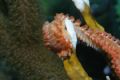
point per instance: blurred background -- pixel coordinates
(106, 12)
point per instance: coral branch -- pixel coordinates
(74, 69)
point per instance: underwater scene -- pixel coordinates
(59, 40)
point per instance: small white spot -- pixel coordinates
(108, 78)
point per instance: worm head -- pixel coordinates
(59, 35)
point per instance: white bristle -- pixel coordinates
(85, 39)
(70, 28)
(87, 2)
(80, 4)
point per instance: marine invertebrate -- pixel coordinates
(56, 36)
(97, 39)
(104, 41)
(58, 39)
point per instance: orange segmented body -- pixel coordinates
(106, 42)
(56, 37)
